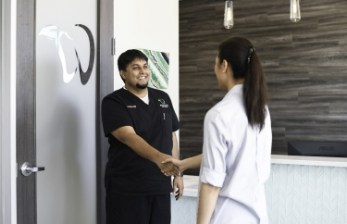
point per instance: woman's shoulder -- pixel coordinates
(228, 111)
(230, 104)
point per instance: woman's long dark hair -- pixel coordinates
(245, 64)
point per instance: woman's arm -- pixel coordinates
(207, 201)
(188, 163)
(191, 162)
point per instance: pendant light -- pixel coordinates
(295, 14)
(228, 15)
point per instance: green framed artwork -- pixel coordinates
(158, 63)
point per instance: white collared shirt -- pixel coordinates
(236, 158)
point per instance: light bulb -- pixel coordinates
(228, 15)
(295, 14)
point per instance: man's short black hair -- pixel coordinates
(128, 56)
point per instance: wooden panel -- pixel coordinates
(25, 107)
(305, 64)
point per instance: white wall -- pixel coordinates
(153, 25)
(7, 113)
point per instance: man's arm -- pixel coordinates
(178, 185)
(175, 148)
(128, 136)
(207, 202)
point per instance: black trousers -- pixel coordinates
(138, 209)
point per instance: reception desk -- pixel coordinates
(300, 190)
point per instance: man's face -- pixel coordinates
(137, 74)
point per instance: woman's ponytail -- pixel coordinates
(255, 90)
(246, 65)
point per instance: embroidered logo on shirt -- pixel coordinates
(163, 104)
(131, 106)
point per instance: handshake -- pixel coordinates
(175, 167)
(171, 167)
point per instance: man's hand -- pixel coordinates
(177, 187)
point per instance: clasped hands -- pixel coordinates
(171, 167)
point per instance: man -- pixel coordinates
(140, 124)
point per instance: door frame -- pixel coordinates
(25, 102)
(105, 85)
(25, 109)
(7, 113)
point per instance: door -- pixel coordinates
(65, 111)
(59, 86)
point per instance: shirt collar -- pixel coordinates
(236, 89)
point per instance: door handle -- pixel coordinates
(27, 169)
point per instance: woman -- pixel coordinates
(237, 139)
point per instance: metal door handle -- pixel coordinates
(27, 169)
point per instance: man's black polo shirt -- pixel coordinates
(126, 172)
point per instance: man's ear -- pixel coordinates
(122, 74)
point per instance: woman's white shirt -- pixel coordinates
(236, 158)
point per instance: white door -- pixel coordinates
(65, 111)
(58, 100)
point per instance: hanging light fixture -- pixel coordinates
(295, 14)
(228, 15)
